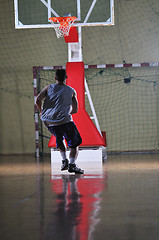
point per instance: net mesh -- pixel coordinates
(65, 25)
(125, 101)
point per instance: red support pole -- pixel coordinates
(89, 133)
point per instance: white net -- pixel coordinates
(65, 25)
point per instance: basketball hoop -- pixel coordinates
(65, 25)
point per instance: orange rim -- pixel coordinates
(62, 19)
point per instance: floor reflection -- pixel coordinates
(78, 203)
(120, 205)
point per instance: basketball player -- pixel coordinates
(59, 104)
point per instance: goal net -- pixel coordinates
(126, 100)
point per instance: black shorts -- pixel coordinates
(66, 131)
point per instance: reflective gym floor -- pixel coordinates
(119, 203)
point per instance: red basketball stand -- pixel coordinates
(93, 141)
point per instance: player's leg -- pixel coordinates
(73, 154)
(73, 139)
(62, 149)
(58, 133)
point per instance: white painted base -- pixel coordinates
(90, 160)
(85, 155)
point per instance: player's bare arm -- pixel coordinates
(40, 97)
(74, 103)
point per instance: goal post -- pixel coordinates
(125, 99)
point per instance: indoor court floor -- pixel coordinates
(121, 202)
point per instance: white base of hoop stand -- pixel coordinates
(91, 160)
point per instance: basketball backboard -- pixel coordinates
(36, 13)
